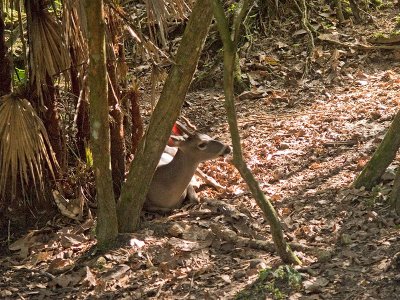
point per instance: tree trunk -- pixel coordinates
(355, 10)
(51, 120)
(114, 35)
(107, 226)
(5, 69)
(137, 123)
(395, 194)
(339, 10)
(383, 156)
(230, 48)
(116, 131)
(82, 123)
(135, 189)
(81, 139)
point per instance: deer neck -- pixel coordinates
(182, 169)
(167, 189)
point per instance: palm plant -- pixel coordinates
(48, 57)
(24, 147)
(58, 50)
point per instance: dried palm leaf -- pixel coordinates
(161, 12)
(24, 145)
(143, 42)
(48, 53)
(74, 26)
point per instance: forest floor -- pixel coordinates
(305, 140)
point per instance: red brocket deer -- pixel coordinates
(171, 181)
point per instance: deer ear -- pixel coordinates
(175, 141)
(176, 130)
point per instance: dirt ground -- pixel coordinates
(305, 140)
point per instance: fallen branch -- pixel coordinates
(231, 236)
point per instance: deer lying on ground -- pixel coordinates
(171, 181)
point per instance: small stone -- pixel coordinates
(175, 230)
(258, 264)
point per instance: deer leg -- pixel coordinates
(191, 194)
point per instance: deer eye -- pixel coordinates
(202, 145)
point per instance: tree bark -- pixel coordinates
(51, 120)
(107, 228)
(82, 135)
(137, 122)
(395, 194)
(114, 35)
(5, 69)
(355, 10)
(339, 10)
(383, 156)
(82, 122)
(230, 48)
(135, 189)
(116, 131)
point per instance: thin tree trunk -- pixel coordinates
(116, 131)
(76, 91)
(51, 120)
(135, 188)
(113, 35)
(107, 226)
(339, 10)
(82, 122)
(230, 48)
(383, 156)
(5, 69)
(395, 194)
(355, 11)
(22, 38)
(75, 18)
(137, 123)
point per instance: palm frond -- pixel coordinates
(74, 26)
(24, 145)
(48, 53)
(160, 12)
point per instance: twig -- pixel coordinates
(307, 27)
(210, 181)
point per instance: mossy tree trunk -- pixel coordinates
(149, 151)
(230, 49)
(107, 226)
(383, 156)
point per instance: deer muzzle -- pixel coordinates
(225, 151)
